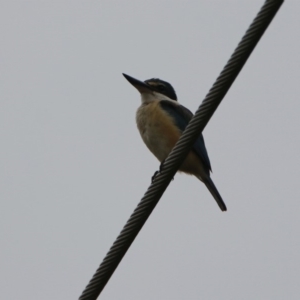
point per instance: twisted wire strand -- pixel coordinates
(181, 149)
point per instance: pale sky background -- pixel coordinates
(73, 166)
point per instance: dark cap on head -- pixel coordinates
(162, 87)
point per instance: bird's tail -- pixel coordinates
(213, 190)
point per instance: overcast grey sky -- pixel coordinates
(73, 166)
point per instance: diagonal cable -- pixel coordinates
(181, 149)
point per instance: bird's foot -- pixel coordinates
(154, 175)
(157, 172)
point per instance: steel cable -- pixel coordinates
(181, 149)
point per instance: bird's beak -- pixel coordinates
(141, 86)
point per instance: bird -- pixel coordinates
(161, 120)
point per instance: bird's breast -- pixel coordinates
(157, 129)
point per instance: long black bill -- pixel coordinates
(141, 86)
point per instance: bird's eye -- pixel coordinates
(161, 88)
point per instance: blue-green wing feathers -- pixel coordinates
(181, 116)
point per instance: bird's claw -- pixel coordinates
(157, 172)
(154, 175)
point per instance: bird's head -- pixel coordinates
(155, 87)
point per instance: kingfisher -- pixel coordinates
(161, 121)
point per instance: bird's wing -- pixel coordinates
(181, 116)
